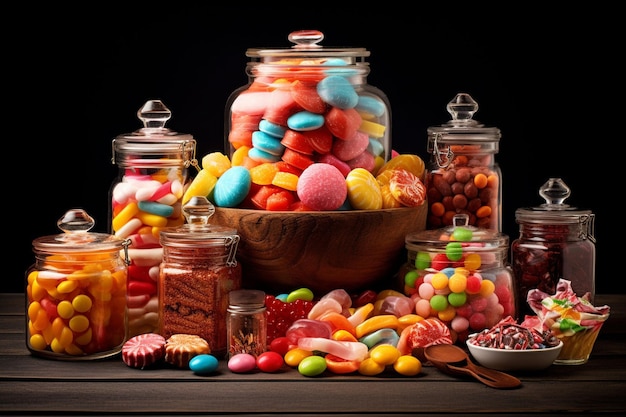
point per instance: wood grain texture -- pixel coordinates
(322, 251)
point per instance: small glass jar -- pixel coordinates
(460, 275)
(145, 198)
(462, 175)
(246, 323)
(556, 241)
(198, 271)
(76, 292)
(304, 105)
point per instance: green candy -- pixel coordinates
(312, 366)
(300, 294)
(410, 278)
(462, 234)
(422, 260)
(454, 251)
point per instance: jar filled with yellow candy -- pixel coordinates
(76, 292)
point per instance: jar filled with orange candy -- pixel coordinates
(463, 176)
(76, 292)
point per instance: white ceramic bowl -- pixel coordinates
(514, 360)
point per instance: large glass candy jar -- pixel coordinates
(308, 104)
(556, 241)
(460, 275)
(76, 292)
(462, 174)
(145, 198)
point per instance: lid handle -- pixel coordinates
(555, 192)
(462, 107)
(76, 220)
(198, 210)
(154, 114)
(306, 39)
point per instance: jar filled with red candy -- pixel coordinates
(463, 176)
(76, 292)
(308, 104)
(460, 275)
(556, 241)
(146, 197)
(198, 272)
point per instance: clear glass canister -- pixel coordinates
(556, 241)
(462, 174)
(198, 271)
(460, 275)
(308, 104)
(246, 323)
(76, 292)
(145, 198)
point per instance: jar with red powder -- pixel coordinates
(460, 275)
(198, 272)
(556, 241)
(462, 175)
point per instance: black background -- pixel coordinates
(75, 78)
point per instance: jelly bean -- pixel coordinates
(203, 364)
(384, 354)
(370, 367)
(242, 363)
(312, 366)
(408, 365)
(280, 345)
(294, 356)
(300, 294)
(269, 361)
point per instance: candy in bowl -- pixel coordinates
(514, 359)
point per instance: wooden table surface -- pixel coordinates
(31, 385)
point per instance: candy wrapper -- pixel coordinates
(572, 319)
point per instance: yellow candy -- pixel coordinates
(201, 186)
(216, 163)
(370, 367)
(409, 162)
(124, 216)
(383, 321)
(286, 180)
(263, 174)
(294, 356)
(408, 365)
(152, 219)
(240, 155)
(363, 190)
(374, 130)
(384, 354)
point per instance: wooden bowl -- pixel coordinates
(321, 250)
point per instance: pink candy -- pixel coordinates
(322, 187)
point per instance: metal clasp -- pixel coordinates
(448, 155)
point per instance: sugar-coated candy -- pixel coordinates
(338, 92)
(232, 187)
(322, 187)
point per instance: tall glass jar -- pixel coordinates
(462, 174)
(308, 104)
(145, 198)
(76, 292)
(460, 275)
(556, 241)
(198, 272)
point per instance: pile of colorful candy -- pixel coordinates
(507, 334)
(281, 186)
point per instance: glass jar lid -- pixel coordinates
(197, 232)
(304, 54)
(153, 144)
(554, 210)
(463, 129)
(76, 224)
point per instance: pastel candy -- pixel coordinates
(305, 94)
(350, 149)
(338, 92)
(342, 123)
(305, 120)
(250, 103)
(281, 105)
(364, 160)
(267, 143)
(322, 187)
(232, 187)
(260, 155)
(370, 105)
(271, 129)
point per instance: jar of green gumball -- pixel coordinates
(460, 275)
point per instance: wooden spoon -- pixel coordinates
(454, 360)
